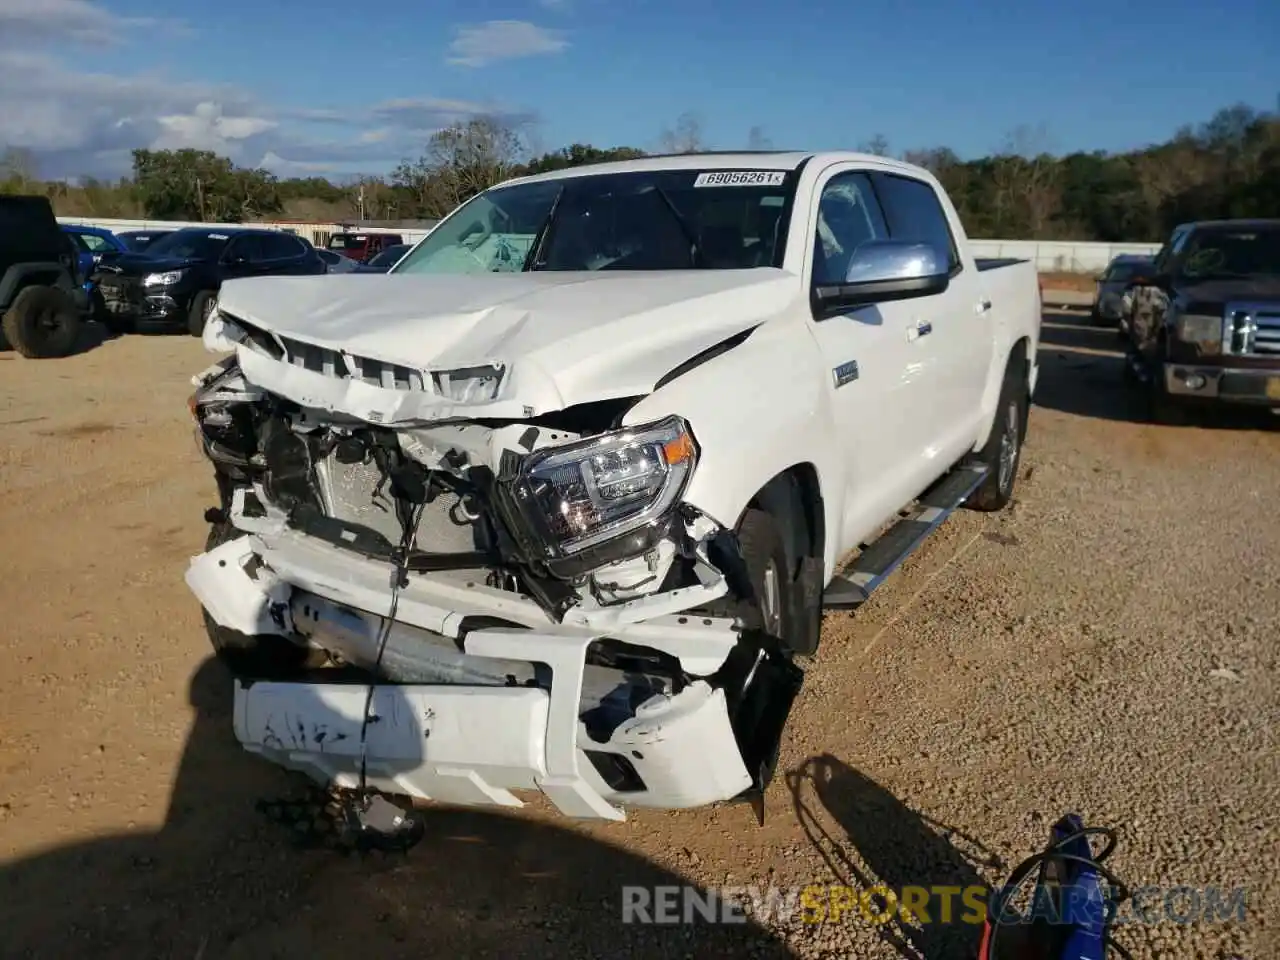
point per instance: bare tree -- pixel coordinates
(1027, 192)
(685, 137)
(17, 169)
(877, 145)
(460, 161)
(756, 139)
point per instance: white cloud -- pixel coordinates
(475, 46)
(27, 22)
(79, 123)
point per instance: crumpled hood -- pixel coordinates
(564, 338)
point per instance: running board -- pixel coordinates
(851, 587)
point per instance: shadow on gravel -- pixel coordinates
(219, 880)
(886, 843)
(1082, 372)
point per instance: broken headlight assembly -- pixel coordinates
(618, 488)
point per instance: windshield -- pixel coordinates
(1121, 272)
(189, 245)
(346, 241)
(140, 241)
(389, 256)
(646, 220)
(1225, 254)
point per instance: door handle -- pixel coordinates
(921, 328)
(983, 305)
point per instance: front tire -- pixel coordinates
(1002, 453)
(777, 605)
(201, 309)
(42, 323)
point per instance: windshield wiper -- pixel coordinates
(534, 260)
(695, 251)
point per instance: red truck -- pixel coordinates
(362, 246)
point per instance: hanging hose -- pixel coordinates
(1071, 912)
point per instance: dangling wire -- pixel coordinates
(410, 519)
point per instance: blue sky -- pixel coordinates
(329, 86)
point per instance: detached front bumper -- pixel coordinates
(1249, 387)
(465, 742)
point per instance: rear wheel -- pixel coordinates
(42, 323)
(1002, 452)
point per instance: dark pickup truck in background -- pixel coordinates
(1204, 325)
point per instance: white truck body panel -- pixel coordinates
(878, 403)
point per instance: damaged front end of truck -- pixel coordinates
(538, 606)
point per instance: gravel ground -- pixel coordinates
(1107, 646)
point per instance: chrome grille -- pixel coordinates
(332, 363)
(1253, 329)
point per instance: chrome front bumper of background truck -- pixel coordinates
(460, 743)
(1225, 385)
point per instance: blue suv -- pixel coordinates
(91, 244)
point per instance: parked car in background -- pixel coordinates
(388, 257)
(41, 299)
(362, 246)
(139, 240)
(1204, 324)
(337, 263)
(173, 284)
(1108, 298)
(92, 244)
(604, 497)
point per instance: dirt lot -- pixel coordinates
(1107, 646)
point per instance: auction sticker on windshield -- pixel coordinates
(742, 178)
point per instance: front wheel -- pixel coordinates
(201, 310)
(1002, 452)
(777, 606)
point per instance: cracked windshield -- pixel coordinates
(668, 220)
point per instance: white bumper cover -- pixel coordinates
(470, 744)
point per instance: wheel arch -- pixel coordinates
(1019, 354)
(793, 497)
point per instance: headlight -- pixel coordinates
(165, 279)
(582, 494)
(1205, 332)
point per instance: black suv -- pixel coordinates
(41, 300)
(173, 284)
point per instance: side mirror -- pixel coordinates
(886, 270)
(235, 260)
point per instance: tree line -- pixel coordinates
(1228, 166)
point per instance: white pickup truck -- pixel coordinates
(555, 504)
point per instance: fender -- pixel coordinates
(49, 273)
(756, 410)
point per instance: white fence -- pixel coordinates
(1066, 256)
